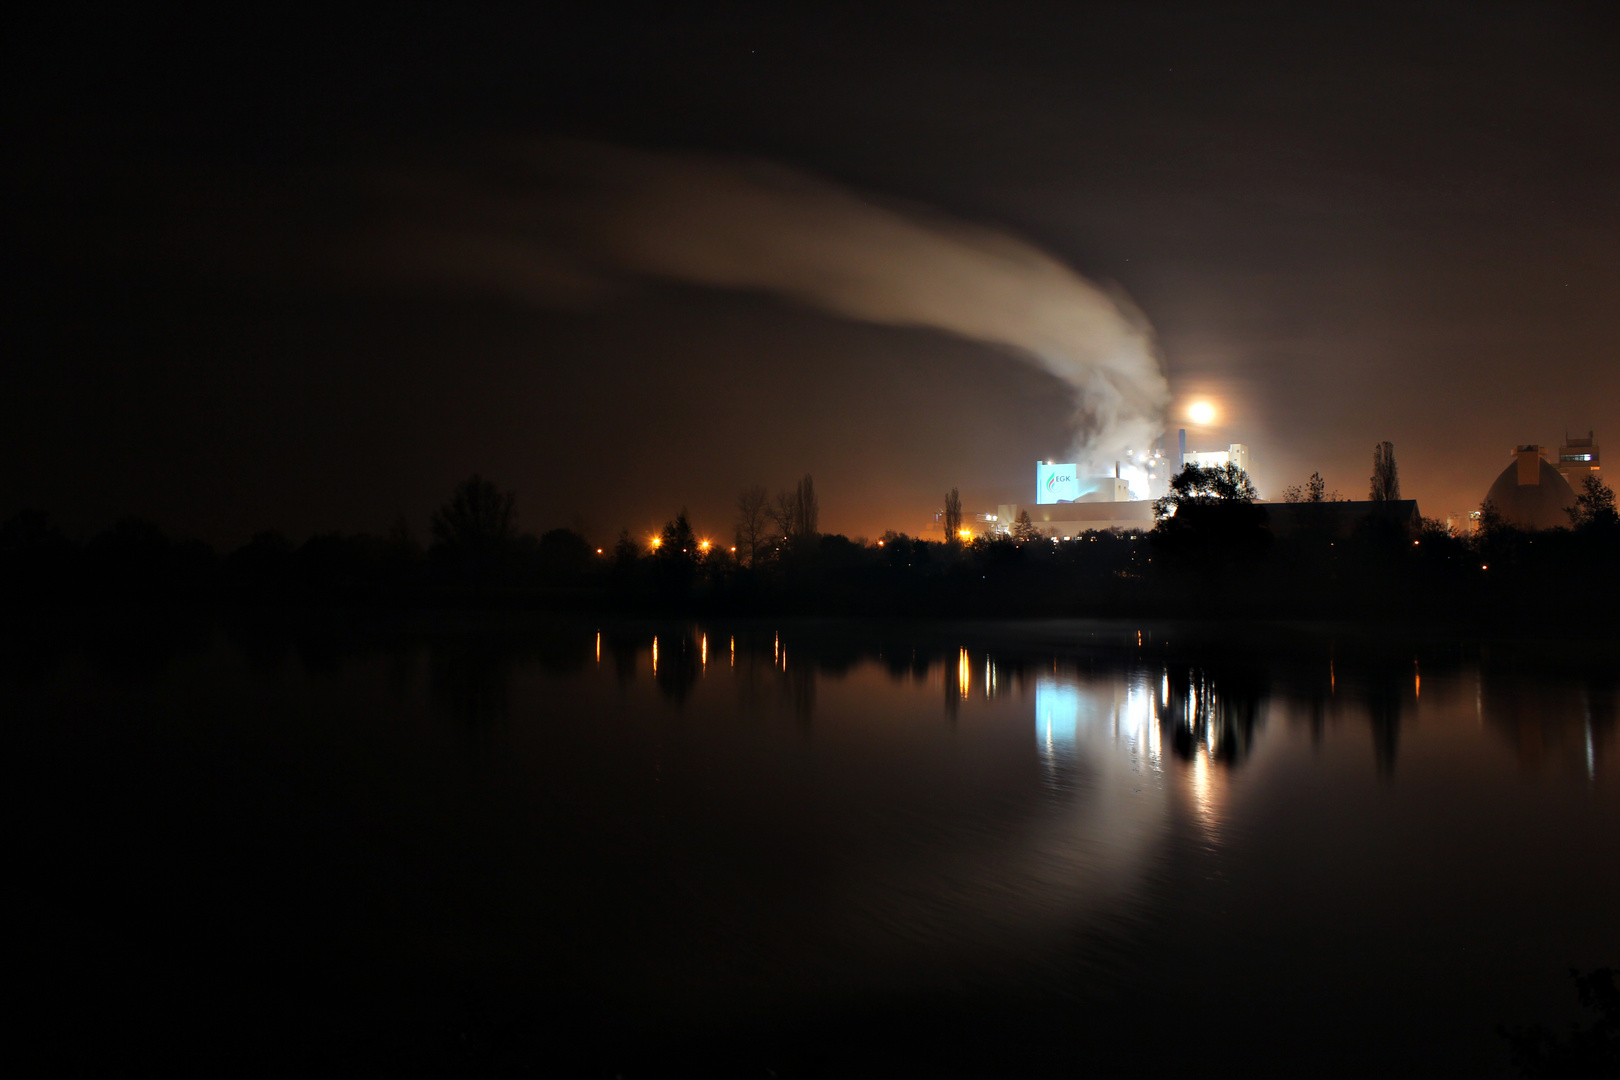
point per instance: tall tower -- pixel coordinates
(1577, 458)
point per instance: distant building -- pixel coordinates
(1343, 518)
(1235, 454)
(1576, 459)
(1056, 521)
(1530, 493)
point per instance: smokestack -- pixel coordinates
(1116, 470)
(1181, 461)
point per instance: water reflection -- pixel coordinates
(725, 855)
(469, 681)
(1551, 723)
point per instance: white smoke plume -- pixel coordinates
(556, 223)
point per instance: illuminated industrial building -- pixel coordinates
(1067, 504)
(1577, 458)
(1530, 493)
(1235, 454)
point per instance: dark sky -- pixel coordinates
(1344, 227)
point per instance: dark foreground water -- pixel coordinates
(487, 848)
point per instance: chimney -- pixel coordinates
(1529, 464)
(1181, 462)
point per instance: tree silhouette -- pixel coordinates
(478, 516)
(797, 512)
(1023, 528)
(809, 507)
(625, 551)
(677, 542)
(753, 522)
(1200, 485)
(1386, 479)
(1594, 507)
(1314, 491)
(953, 517)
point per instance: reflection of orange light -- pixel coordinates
(655, 656)
(705, 648)
(964, 673)
(599, 646)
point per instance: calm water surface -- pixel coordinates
(479, 848)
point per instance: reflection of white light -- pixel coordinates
(1066, 713)
(1057, 714)
(1203, 787)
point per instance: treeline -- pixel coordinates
(1214, 552)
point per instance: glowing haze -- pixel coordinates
(557, 223)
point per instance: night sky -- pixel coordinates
(277, 271)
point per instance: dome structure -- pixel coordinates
(1530, 493)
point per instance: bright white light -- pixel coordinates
(1201, 412)
(1136, 478)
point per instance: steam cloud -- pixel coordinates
(560, 222)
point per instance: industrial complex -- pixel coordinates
(1535, 491)
(1068, 504)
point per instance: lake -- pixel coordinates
(491, 845)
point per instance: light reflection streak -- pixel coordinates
(703, 652)
(964, 673)
(1147, 728)
(1201, 780)
(599, 647)
(655, 654)
(1068, 712)
(1591, 751)
(733, 650)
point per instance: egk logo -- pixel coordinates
(1056, 478)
